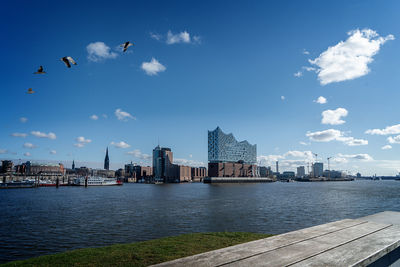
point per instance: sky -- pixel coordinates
(297, 78)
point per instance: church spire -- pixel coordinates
(73, 164)
(106, 161)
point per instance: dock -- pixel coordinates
(211, 180)
(368, 241)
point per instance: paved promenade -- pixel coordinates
(373, 240)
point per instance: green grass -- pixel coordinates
(143, 253)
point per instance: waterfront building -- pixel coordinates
(102, 173)
(332, 174)
(318, 169)
(106, 161)
(136, 173)
(225, 148)
(198, 173)
(229, 158)
(231, 169)
(264, 171)
(6, 166)
(301, 172)
(288, 175)
(162, 163)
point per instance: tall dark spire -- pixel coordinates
(73, 164)
(106, 161)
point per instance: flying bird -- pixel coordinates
(126, 45)
(40, 71)
(68, 61)
(30, 91)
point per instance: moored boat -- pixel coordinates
(22, 184)
(95, 181)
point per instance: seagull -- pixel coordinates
(30, 91)
(68, 60)
(40, 71)
(126, 45)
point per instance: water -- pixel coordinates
(48, 220)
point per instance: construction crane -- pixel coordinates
(316, 156)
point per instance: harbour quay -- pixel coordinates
(211, 180)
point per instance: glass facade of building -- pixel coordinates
(224, 148)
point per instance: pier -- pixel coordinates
(368, 241)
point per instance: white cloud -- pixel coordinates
(386, 147)
(282, 97)
(349, 59)
(82, 141)
(23, 135)
(394, 129)
(153, 67)
(309, 68)
(99, 51)
(29, 145)
(189, 162)
(394, 140)
(123, 115)
(332, 134)
(305, 52)
(53, 152)
(121, 144)
(23, 119)
(289, 159)
(138, 154)
(321, 100)
(44, 135)
(156, 36)
(3, 151)
(182, 37)
(333, 117)
(303, 143)
(27, 154)
(94, 117)
(298, 74)
(79, 145)
(362, 157)
(299, 154)
(176, 38)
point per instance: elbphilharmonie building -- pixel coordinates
(225, 148)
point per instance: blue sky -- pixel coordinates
(254, 68)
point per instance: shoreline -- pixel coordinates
(142, 253)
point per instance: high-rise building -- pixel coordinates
(106, 161)
(225, 148)
(301, 172)
(318, 169)
(277, 166)
(162, 163)
(73, 164)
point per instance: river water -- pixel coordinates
(43, 221)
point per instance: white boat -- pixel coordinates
(96, 181)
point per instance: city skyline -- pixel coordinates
(247, 69)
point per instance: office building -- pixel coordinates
(318, 169)
(225, 148)
(162, 163)
(301, 172)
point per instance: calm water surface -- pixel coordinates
(48, 220)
